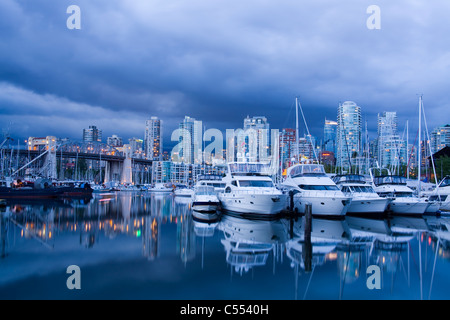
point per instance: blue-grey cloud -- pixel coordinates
(217, 61)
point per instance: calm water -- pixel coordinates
(144, 246)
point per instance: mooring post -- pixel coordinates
(291, 201)
(307, 246)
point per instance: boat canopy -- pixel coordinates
(398, 180)
(249, 168)
(349, 178)
(307, 170)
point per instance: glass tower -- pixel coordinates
(348, 134)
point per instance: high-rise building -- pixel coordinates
(114, 141)
(190, 141)
(392, 150)
(348, 133)
(93, 134)
(329, 136)
(440, 138)
(287, 147)
(153, 138)
(257, 142)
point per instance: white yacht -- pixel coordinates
(250, 190)
(183, 191)
(211, 180)
(312, 185)
(160, 187)
(441, 195)
(403, 200)
(205, 199)
(364, 197)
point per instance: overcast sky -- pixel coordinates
(218, 61)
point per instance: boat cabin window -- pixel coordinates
(403, 194)
(234, 183)
(255, 183)
(365, 189)
(307, 170)
(318, 187)
(349, 178)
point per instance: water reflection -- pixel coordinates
(338, 252)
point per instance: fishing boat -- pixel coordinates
(250, 190)
(364, 198)
(311, 184)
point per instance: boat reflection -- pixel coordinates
(248, 243)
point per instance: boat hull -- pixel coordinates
(368, 205)
(203, 206)
(206, 216)
(324, 206)
(47, 193)
(408, 206)
(262, 204)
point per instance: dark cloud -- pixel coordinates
(217, 61)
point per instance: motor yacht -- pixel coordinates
(403, 200)
(160, 188)
(205, 201)
(213, 180)
(311, 185)
(183, 191)
(250, 190)
(364, 197)
(441, 195)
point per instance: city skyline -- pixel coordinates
(130, 61)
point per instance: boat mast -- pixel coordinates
(419, 151)
(296, 131)
(407, 138)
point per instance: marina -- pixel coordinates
(145, 245)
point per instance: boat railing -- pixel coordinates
(323, 193)
(256, 191)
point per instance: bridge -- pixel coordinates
(78, 161)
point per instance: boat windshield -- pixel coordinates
(318, 187)
(356, 178)
(364, 189)
(205, 190)
(389, 180)
(249, 168)
(445, 182)
(255, 183)
(307, 170)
